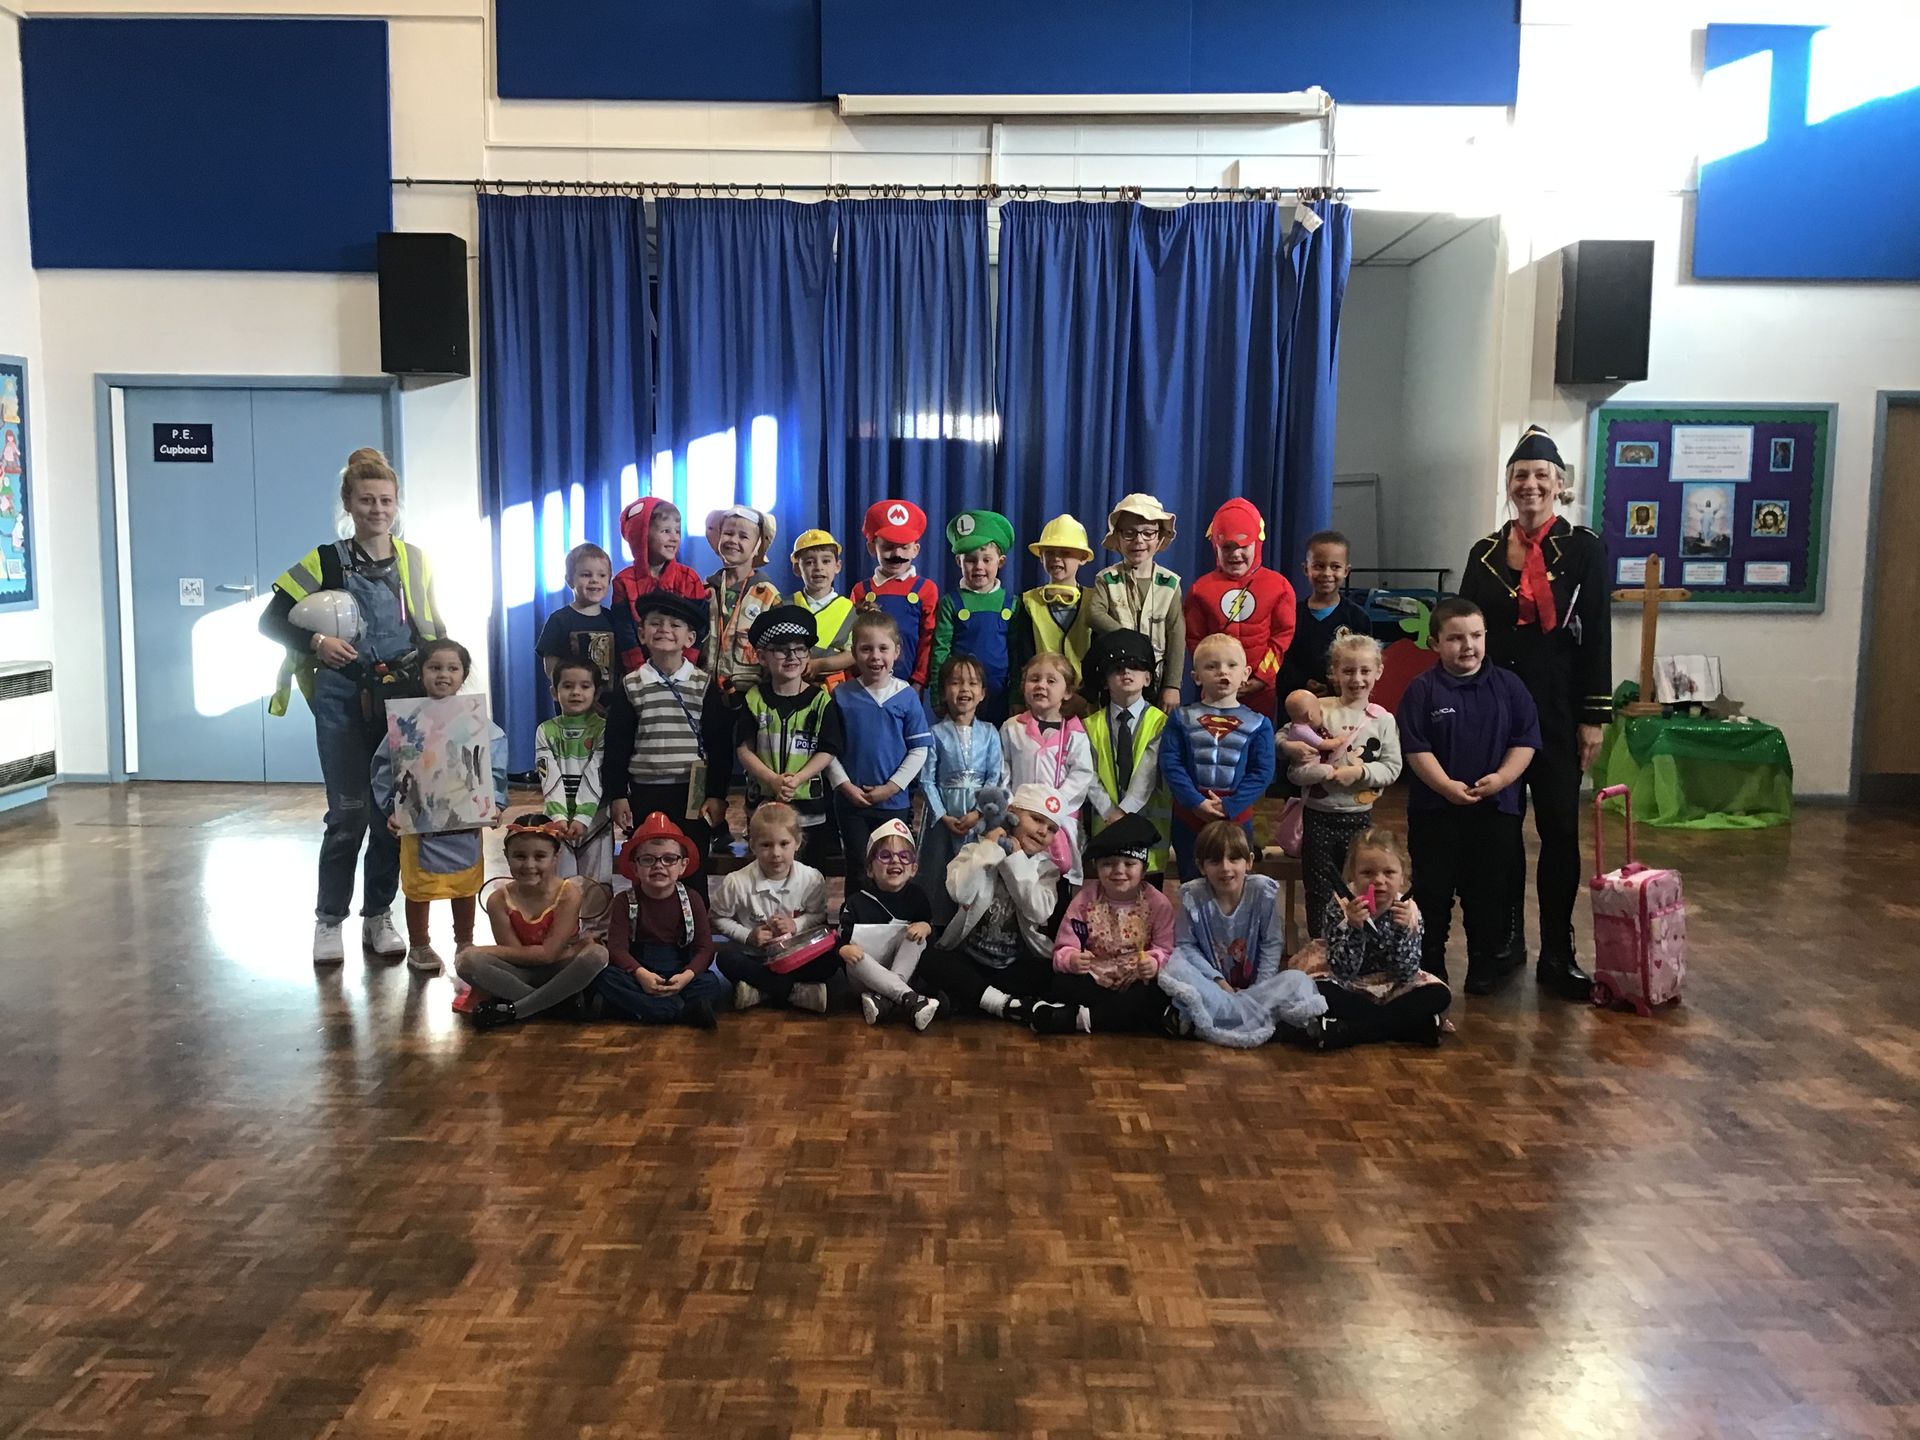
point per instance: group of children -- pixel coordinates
(1057, 773)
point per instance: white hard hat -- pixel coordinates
(329, 612)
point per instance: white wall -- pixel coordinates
(1442, 501)
(183, 323)
(1373, 375)
(1580, 158)
(24, 634)
(1753, 343)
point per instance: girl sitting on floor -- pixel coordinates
(1371, 977)
(1225, 975)
(884, 929)
(1117, 933)
(539, 957)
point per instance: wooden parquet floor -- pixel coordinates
(240, 1199)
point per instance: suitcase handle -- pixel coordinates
(1600, 827)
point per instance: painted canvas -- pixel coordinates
(442, 763)
(19, 585)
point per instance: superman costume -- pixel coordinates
(1214, 751)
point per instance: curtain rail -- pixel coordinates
(733, 190)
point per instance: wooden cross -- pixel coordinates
(1649, 595)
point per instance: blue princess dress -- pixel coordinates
(962, 763)
(1246, 949)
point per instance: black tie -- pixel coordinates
(1123, 749)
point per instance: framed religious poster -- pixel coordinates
(1733, 498)
(19, 580)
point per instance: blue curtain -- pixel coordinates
(745, 294)
(1189, 353)
(912, 407)
(565, 408)
(1317, 264)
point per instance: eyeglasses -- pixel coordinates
(1138, 532)
(657, 862)
(891, 858)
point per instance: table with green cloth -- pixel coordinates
(1699, 773)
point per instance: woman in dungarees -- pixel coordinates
(347, 684)
(1543, 585)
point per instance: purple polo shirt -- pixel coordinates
(1467, 723)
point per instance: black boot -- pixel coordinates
(1563, 976)
(1488, 974)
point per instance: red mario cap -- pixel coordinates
(900, 521)
(1238, 522)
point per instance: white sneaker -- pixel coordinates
(378, 935)
(423, 958)
(874, 1008)
(809, 997)
(328, 947)
(745, 997)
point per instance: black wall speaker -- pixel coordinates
(1606, 309)
(423, 304)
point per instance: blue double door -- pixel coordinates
(226, 488)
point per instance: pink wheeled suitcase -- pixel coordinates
(1639, 924)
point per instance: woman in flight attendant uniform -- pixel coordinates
(1543, 585)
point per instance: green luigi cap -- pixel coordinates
(970, 529)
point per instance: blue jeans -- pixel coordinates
(623, 997)
(348, 740)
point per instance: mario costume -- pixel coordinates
(636, 523)
(907, 597)
(1255, 607)
(976, 622)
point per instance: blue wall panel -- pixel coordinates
(1362, 52)
(1837, 200)
(1398, 52)
(657, 49)
(207, 144)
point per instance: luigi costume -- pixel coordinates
(1548, 622)
(976, 622)
(1054, 619)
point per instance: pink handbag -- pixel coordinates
(1289, 831)
(1639, 924)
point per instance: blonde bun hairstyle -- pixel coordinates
(366, 463)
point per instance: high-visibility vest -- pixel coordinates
(1050, 639)
(321, 569)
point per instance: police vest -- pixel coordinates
(785, 743)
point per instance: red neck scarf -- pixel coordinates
(1536, 591)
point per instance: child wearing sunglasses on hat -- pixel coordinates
(884, 928)
(539, 958)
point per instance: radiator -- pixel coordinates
(26, 724)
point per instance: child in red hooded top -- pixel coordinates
(1242, 598)
(652, 530)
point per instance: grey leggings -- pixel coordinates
(531, 988)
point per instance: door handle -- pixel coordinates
(246, 589)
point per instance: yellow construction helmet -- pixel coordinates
(1063, 532)
(812, 540)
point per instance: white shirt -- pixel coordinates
(750, 897)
